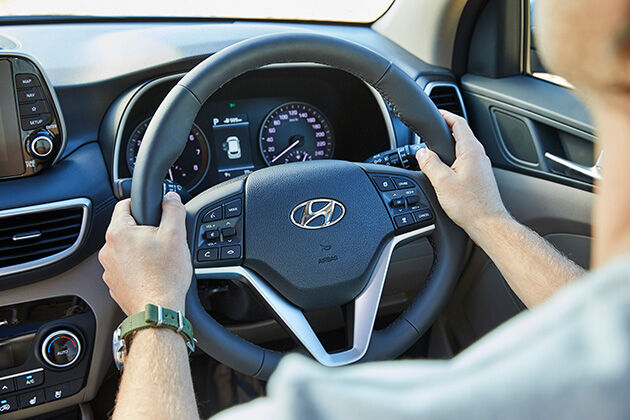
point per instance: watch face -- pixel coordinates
(119, 349)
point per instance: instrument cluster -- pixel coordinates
(264, 118)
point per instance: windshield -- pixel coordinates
(361, 11)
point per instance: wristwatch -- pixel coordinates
(153, 316)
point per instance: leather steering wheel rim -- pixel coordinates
(162, 145)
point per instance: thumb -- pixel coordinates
(173, 215)
(432, 166)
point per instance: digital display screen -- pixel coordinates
(233, 146)
(11, 158)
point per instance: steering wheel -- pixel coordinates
(309, 235)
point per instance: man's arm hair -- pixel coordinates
(156, 382)
(533, 268)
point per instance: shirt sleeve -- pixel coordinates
(567, 358)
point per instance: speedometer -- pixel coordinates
(296, 132)
(189, 168)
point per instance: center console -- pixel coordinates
(32, 133)
(45, 349)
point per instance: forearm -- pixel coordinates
(533, 268)
(156, 382)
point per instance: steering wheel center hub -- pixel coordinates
(327, 222)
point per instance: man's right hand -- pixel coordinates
(146, 264)
(467, 191)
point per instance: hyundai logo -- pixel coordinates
(317, 213)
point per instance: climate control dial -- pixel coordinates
(61, 349)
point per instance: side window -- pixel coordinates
(536, 67)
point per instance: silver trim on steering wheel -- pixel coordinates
(365, 305)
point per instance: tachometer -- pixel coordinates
(296, 132)
(189, 168)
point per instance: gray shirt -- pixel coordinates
(568, 358)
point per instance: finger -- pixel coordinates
(173, 214)
(433, 167)
(465, 139)
(122, 214)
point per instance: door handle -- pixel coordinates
(594, 171)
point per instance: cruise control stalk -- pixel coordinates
(402, 157)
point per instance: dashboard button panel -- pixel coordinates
(63, 390)
(29, 380)
(6, 385)
(28, 95)
(32, 398)
(27, 80)
(7, 404)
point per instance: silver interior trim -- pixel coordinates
(53, 95)
(365, 305)
(594, 171)
(141, 90)
(84, 203)
(387, 118)
(25, 236)
(15, 375)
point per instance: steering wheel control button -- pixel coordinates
(7, 405)
(228, 232)
(211, 235)
(384, 183)
(230, 252)
(412, 199)
(6, 385)
(32, 398)
(29, 380)
(403, 220)
(214, 214)
(422, 216)
(61, 349)
(208, 254)
(233, 208)
(398, 202)
(402, 183)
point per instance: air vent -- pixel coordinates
(446, 96)
(37, 235)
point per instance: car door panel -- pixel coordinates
(519, 119)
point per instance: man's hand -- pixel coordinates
(467, 190)
(146, 264)
(469, 195)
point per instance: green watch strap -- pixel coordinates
(158, 317)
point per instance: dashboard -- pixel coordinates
(102, 83)
(267, 117)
